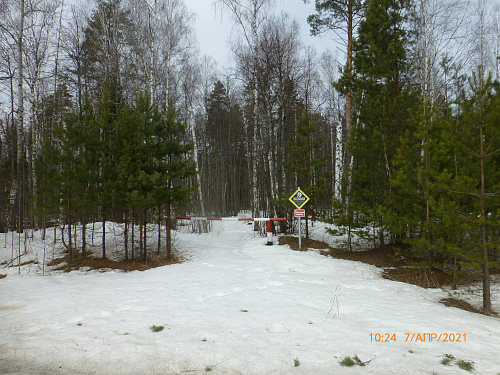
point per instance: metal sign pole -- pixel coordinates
(299, 199)
(300, 233)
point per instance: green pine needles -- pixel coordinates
(423, 175)
(121, 159)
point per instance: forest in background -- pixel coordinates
(109, 113)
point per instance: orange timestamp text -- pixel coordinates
(419, 337)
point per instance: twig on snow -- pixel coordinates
(85, 350)
(335, 304)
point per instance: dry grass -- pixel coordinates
(94, 263)
(421, 277)
(453, 302)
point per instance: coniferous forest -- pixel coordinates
(108, 112)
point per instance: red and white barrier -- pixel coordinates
(269, 221)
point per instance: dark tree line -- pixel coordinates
(98, 147)
(121, 164)
(101, 107)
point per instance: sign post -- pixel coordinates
(299, 199)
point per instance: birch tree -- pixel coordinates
(145, 16)
(74, 49)
(41, 30)
(330, 108)
(174, 27)
(249, 16)
(191, 83)
(442, 38)
(18, 183)
(283, 71)
(485, 41)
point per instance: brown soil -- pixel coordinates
(93, 263)
(380, 257)
(395, 268)
(452, 302)
(307, 243)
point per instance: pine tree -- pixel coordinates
(224, 153)
(173, 166)
(444, 196)
(53, 109)
(106, 39)
(308, 164)
(58, 169)
(382, 96)
(422, 212)
(479, 175)
(48, 196)
(130, 153)
(105, 124)
(341, 15)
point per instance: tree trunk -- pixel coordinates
(140, 236)
(133, 236)
(159, 228)
(486, 270)
(145, 228)
(256, 148)
(84, 235)
(152, 30)
(20, 121)
(349, 100)
(125, 234)
(103, 236)
(169, 229)
(70, 247)
(195, 155)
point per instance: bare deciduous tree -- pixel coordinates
(441, 32)
(249, 16)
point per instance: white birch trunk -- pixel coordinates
(167, 82)
(152, 30)
(339, 170)
(20, 116)
(256, 153)
(195, 152)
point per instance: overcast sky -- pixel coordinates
(213, 31)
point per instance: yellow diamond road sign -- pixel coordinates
(299, 199)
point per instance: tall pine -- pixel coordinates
(173, 165)
(478, 174)
(382, 95)
(422, 211)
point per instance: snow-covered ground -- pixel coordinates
(236, 306)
